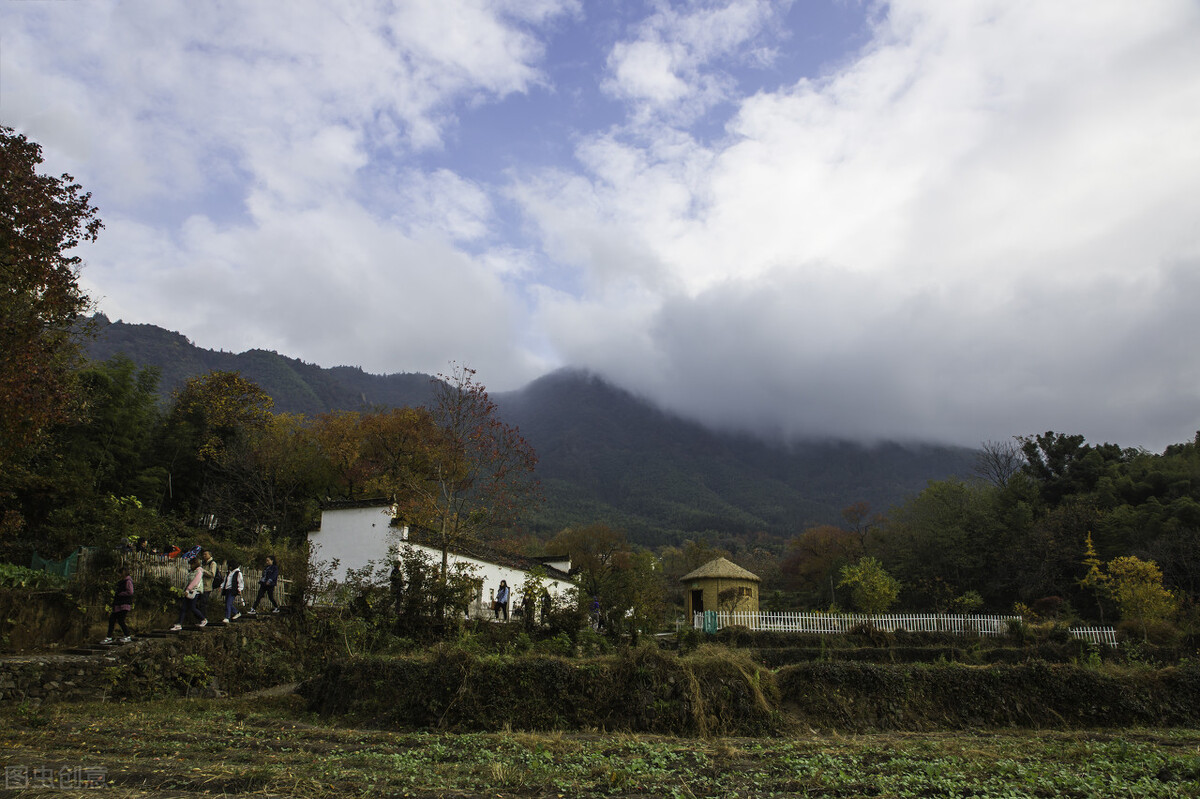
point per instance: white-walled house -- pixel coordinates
(357, 533)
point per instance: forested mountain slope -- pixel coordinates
(605, 455)
(296, 387)
(610, 454)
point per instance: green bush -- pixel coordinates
(13, 576)
(559, 645)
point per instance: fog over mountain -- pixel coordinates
(605, 455)
(912, 220)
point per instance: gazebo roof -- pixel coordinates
(722, 568)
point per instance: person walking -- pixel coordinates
(527, 609)
(547, 604)
(266, 586)
(501, 600)
(210, 579)
(122, 604)
(231, 589)
(191, 596)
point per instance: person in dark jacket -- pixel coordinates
(122, 604)
(501, 603)
(266, 585)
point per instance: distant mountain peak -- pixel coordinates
(605, 454)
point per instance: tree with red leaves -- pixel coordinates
(42, 219)
(478, 473)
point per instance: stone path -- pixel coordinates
(76, 653)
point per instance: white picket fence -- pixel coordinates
(840, 623)
(837, 623)
(1096, 635)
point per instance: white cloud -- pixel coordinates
(646, 71)
(672, 66)
(981, 224)
(953, 236)
(324, 277)
(240, 153)
(442, 203)
(178, 86)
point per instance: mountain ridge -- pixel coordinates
(605, 455)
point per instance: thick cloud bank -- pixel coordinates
(913, 220)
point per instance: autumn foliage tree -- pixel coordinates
(478, 472)
(872, 590)
(813, 558)
(339, 437)
(628, 586)
(1136, 587)
(397, 446)
(42, 219)
(210, 420)
(269, 479)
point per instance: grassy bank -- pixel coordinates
(272, 746)
(715, 690)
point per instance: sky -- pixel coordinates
(920, 220)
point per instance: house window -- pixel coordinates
(744, 592)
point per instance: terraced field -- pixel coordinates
(271, 746)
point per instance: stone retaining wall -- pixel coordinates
(54, 678)
(33, 621)
(240, 657)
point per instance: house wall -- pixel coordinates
(712, 588)
(562, 565)
(491, 574)
(352, 536)
(356, 536)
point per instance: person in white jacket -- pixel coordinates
(191, 596)
(231, 589)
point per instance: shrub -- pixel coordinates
(872, 589)
(1019, 631)
(1048, 607)
(559, 645)
(194, 671)
(12, 576)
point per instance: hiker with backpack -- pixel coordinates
(122, 604)
(231, 589)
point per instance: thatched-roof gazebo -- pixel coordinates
(721, 584)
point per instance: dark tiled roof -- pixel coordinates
(343, 504)
(481, 551)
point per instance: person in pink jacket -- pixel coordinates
(191, 596)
